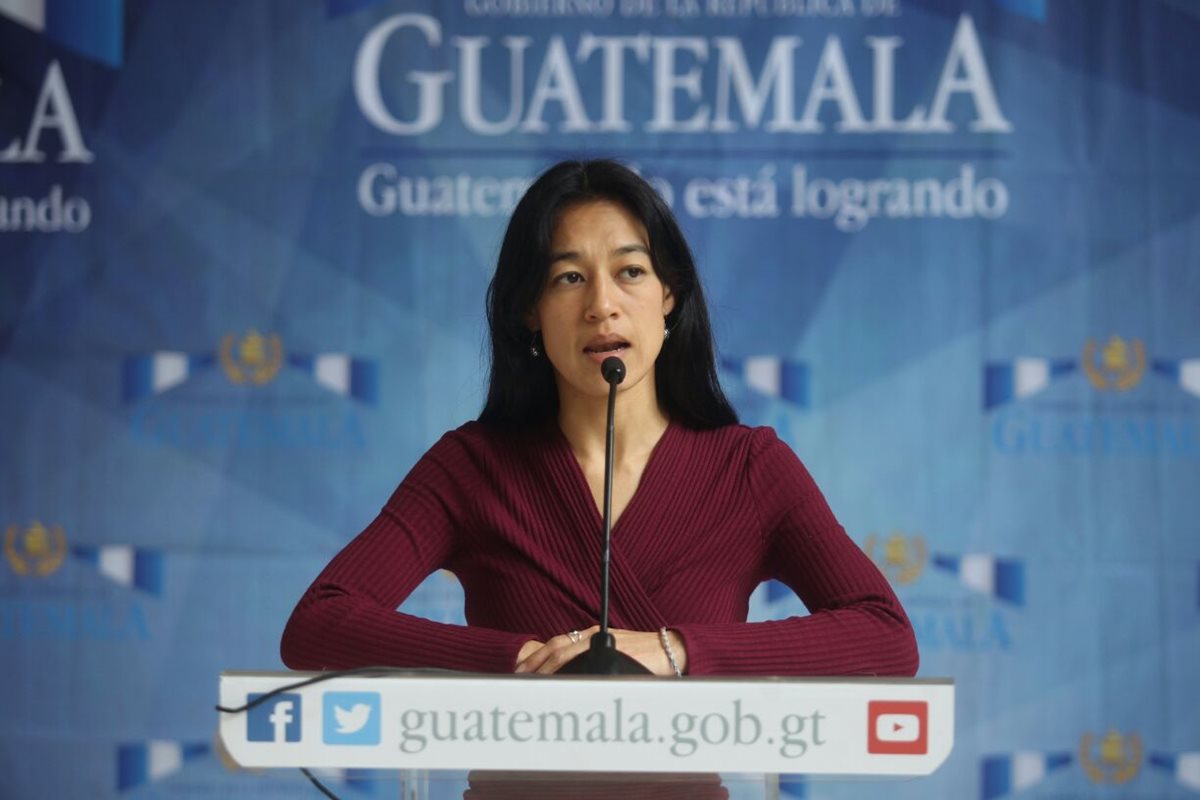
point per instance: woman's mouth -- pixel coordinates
(599, 350)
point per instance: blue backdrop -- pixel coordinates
(950, 248)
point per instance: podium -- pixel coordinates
(429, 723)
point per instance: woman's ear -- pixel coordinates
(533, 322)
(668, 301)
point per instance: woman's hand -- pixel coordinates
(645, 647)
(526, 651)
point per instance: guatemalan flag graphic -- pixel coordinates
(92, 28)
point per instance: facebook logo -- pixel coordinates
(351, 718)
(276, 720)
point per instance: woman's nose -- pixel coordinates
(600, 303)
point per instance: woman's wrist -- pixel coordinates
(675, 650)
(527, 649)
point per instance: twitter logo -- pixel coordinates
(351, 718)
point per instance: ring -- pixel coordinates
(574, 637)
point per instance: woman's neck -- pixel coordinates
(639, 424)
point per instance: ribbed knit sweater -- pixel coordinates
(511, 515)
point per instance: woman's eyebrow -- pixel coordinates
(568, 255)
(625, 249)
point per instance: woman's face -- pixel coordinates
(602, 298)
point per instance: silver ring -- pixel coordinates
(574, 637)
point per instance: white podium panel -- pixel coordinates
(448, 721)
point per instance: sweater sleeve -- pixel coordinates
(347, 618)
(856, 625)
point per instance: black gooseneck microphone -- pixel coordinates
(602, 656)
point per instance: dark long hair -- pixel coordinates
(521, 388)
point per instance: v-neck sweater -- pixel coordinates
(716, 513)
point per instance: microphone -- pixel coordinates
(602, 656)
(613, 370)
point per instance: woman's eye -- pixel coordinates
(634, 272)
(568, 277)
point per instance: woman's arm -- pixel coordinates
(347, 618)
(856, 625)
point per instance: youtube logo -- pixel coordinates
(896, 727)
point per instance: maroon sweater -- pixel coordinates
(716, 513)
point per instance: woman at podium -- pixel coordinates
(593, 264)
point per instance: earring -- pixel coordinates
(533, 345)
(666, 333)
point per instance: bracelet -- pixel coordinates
(666, 643)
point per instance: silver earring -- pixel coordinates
(666, 333)
(533, 348)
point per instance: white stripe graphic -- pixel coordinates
(1031, 375)
(332, 773)
(163, 758)
(332, 370)
(1028, 768)
(978, 572)
(1189, 376)
(1187, 770)
(170, 369)
(117, 563)
(31, 13)
(764, 374)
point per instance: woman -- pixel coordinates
(593, 264)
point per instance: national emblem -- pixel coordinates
(903, 558)
(255, 359)
(1119, 759)
(37, 550)
(1121, 365)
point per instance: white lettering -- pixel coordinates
(683, 96)
(851, 203)
(556, 82)
(613, 49)
(832, 82)
(667, 81)
(50, 214)
(884, 49)
(777, 73)
(965, 53)
(429, 84)
(383, 191)
(737, 196)
(470, 103)
(53, 111)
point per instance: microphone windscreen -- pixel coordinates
(613, 369)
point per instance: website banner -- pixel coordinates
(824, 726)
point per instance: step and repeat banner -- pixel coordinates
(951, 250)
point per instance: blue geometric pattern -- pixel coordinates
(1034, 9)
(1184, 372)
(340, 7)
(345, 375)
(360, 780)
(948, 248)
(773, 377)
(144, 762)
(131, 567)
(1183, 767)
(1002, 578)
(777, 591)
(793, 786)
(152, 374)
(1012, 773)
(92, 28)
(1021, 378)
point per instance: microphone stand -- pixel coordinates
(602, 656)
